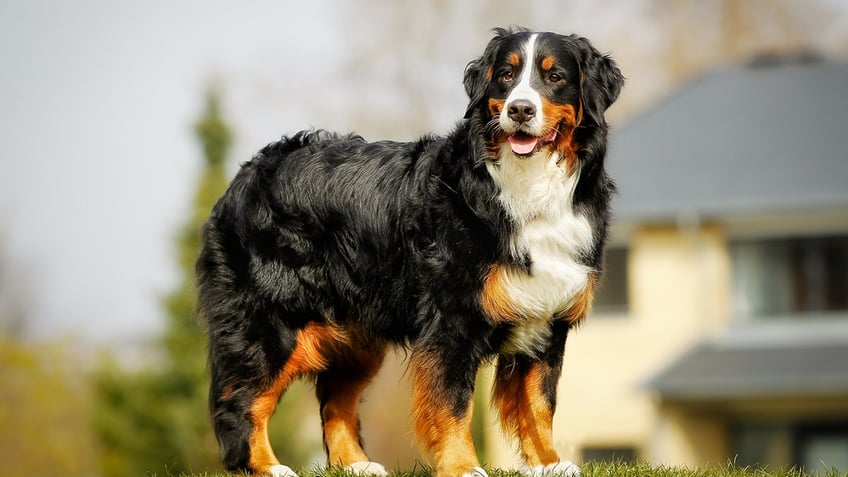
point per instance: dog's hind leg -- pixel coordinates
(242, 397)
(339, 390)
(242, 405)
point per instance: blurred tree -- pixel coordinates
(44, 403)
(44, 409)
(14, 293)
(156, 419)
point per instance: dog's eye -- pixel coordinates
(506, 76)
(554, 78)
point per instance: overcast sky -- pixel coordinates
(97, 98)
(98, 158)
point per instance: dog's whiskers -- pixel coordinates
(493, 127)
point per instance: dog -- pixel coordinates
(481, 245)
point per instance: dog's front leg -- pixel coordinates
(442, 387)
(525, 396)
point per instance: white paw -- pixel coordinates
(281, 471)
(367, 468)
(476, 472)
(563, 468)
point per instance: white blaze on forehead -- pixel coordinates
(526, 72)
(524, 91)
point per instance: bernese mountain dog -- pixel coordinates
(482, 245)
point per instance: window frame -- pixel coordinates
(601, 309)
(741, 294)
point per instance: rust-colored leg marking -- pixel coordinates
(309, 356)
(261, 454)
(526, 411)
(525, 389)
(440, 427)
(339, 392)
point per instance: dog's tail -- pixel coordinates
(215, 279)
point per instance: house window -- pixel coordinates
(816, 447)
(822, 448)
(762, 444)
(790, 277)
(612, 296)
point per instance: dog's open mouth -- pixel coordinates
(524, 144)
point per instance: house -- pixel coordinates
(721, 332)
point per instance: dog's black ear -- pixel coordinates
(601, 80)
(478, 72)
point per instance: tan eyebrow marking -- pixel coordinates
(513, 59)
(547, 63)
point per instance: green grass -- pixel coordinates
(589, 469)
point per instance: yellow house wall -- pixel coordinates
(692, 439)
(678, 287)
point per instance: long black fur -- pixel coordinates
(390, 238)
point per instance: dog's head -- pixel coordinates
(533, 89)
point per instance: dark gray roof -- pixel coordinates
(765, 367)
(740, 141)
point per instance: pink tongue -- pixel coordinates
(522, 143)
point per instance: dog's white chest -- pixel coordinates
(539, 197)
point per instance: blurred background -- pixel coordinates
(721, 331)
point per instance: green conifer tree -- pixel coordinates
(156, 420)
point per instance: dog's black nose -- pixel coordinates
(521, 110)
